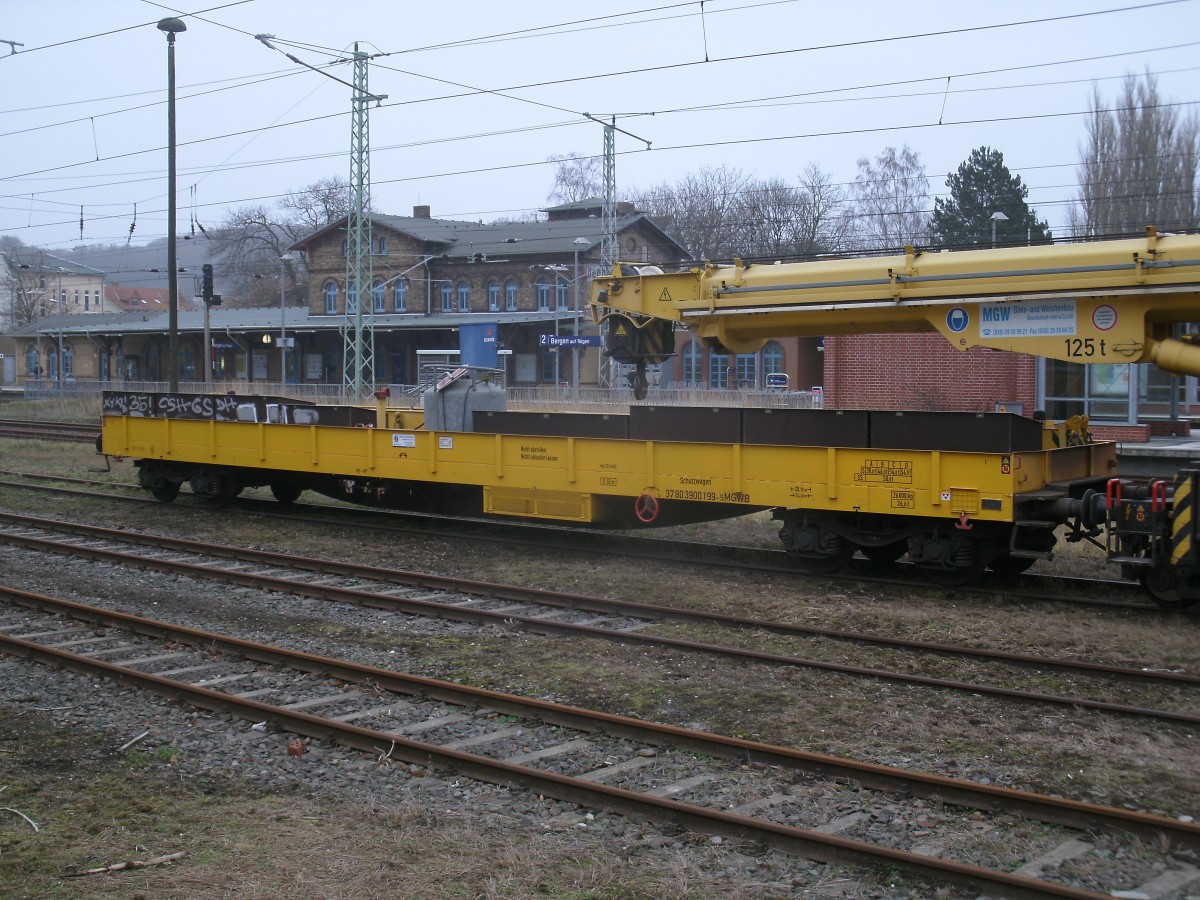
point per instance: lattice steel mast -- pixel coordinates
(358, 329)
(608, 214)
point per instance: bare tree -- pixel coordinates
(25, 286)
(702, 211)
(321, 203)
(827, 226)
(771, 214)
(576, 178)
(1139, 165)
(892, 200)
(779, 220)
(250, 241)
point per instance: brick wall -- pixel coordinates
(923, 371)
(1129, 434)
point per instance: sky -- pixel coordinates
(477, 95)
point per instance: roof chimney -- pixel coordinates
(420, 212)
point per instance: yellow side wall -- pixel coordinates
(905, 482)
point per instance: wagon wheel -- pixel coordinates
(886, 554)
(824, 563)
(286, 492)
(1006, 564)
(1164, 586)
(165, 491)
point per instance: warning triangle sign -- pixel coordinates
(665, 296)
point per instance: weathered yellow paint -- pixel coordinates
(1100, 302)
(565, 474)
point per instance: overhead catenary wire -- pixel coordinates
(664, 145)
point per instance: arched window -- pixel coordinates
(493, 294)
(447, 297)
(330, 298)
(377, 295)
(400, 295)
(510, 295)
(772, 357)
(718, 370)
(383, 246)
(464, 296)
(31, 361)
(692, 363)
(351, 300)
(561, 291)
(543, 295)
(68, 361)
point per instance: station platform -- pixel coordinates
(1160, 457)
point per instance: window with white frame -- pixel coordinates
(447, 292)
(493, 295)
(400, 295)
(746, 365)
(692, 362)
(772, 357)
(330, 298)
(543, 295)
(510, 295)
(464, 296)
(718, 370)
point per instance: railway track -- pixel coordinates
(1088, 592)
(711, 784)
(1129, 691)
(37, 430)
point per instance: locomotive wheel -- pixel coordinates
(886, 554)
(165, 491)
(286, 492)
(1163, 585)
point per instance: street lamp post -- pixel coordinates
(997, 217)
(171, 27)
(283, 349)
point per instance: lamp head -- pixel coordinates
(171, 26)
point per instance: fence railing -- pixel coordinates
(533, 398)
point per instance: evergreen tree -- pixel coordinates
(982, 187)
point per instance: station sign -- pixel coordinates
(569, 340)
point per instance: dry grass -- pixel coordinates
(95, 809)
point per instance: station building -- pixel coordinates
(532, 280)
(429, 277)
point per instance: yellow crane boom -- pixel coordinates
(1101, 302)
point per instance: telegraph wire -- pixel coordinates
(92, 37)
(531, 164)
